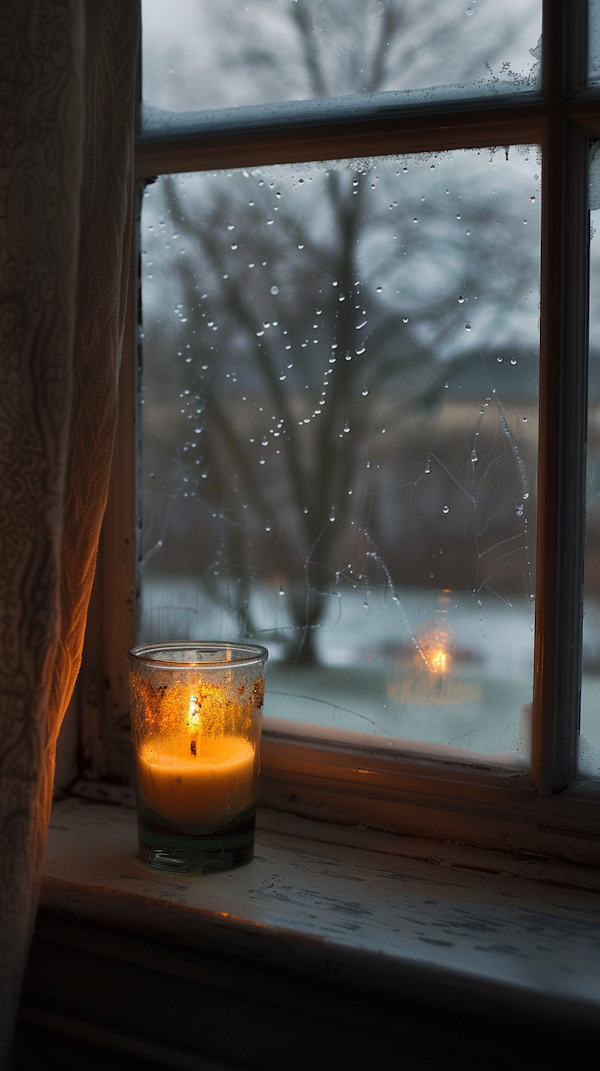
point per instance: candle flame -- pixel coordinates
(194, 713)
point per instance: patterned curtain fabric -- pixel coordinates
(67, 88)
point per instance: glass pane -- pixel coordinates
(198, 54)
(339, 437)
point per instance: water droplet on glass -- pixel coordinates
(415, 220)
(524, 419)
(334, 282)
(519, 511)
(267, 527)
(405, 319)
(274, 290)
(365, 392)
(346, 427)
(262, 461)
(378, 9)
(446, 509)
(234, 247)
(526, 495)
(467, 327)
(461, 300)
(458, 217)
(513, 360)
(447, 384)
(428, 467)
(499, 360)
(379, 289)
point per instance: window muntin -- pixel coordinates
(589, 738)
(339, 437)
(269, 51)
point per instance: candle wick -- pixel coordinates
(193, 747)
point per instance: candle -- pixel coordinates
(204, 786)
(196, 732)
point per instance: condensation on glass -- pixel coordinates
(198, 54)
(589, 737)
(339, 434)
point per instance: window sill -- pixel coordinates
(459, 933)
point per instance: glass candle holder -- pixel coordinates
(196, 721)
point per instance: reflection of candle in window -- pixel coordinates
(432, 651)
(438, 660)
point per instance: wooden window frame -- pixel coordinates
(549, 813)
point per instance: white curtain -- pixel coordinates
(67, 88)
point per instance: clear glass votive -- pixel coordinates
(196, 721)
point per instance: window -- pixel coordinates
(478, 131)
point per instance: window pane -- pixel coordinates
(339, 436)
(198, 54)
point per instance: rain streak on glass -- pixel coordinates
(198, 54)
(350, 483)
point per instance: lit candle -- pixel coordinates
(196, 731)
